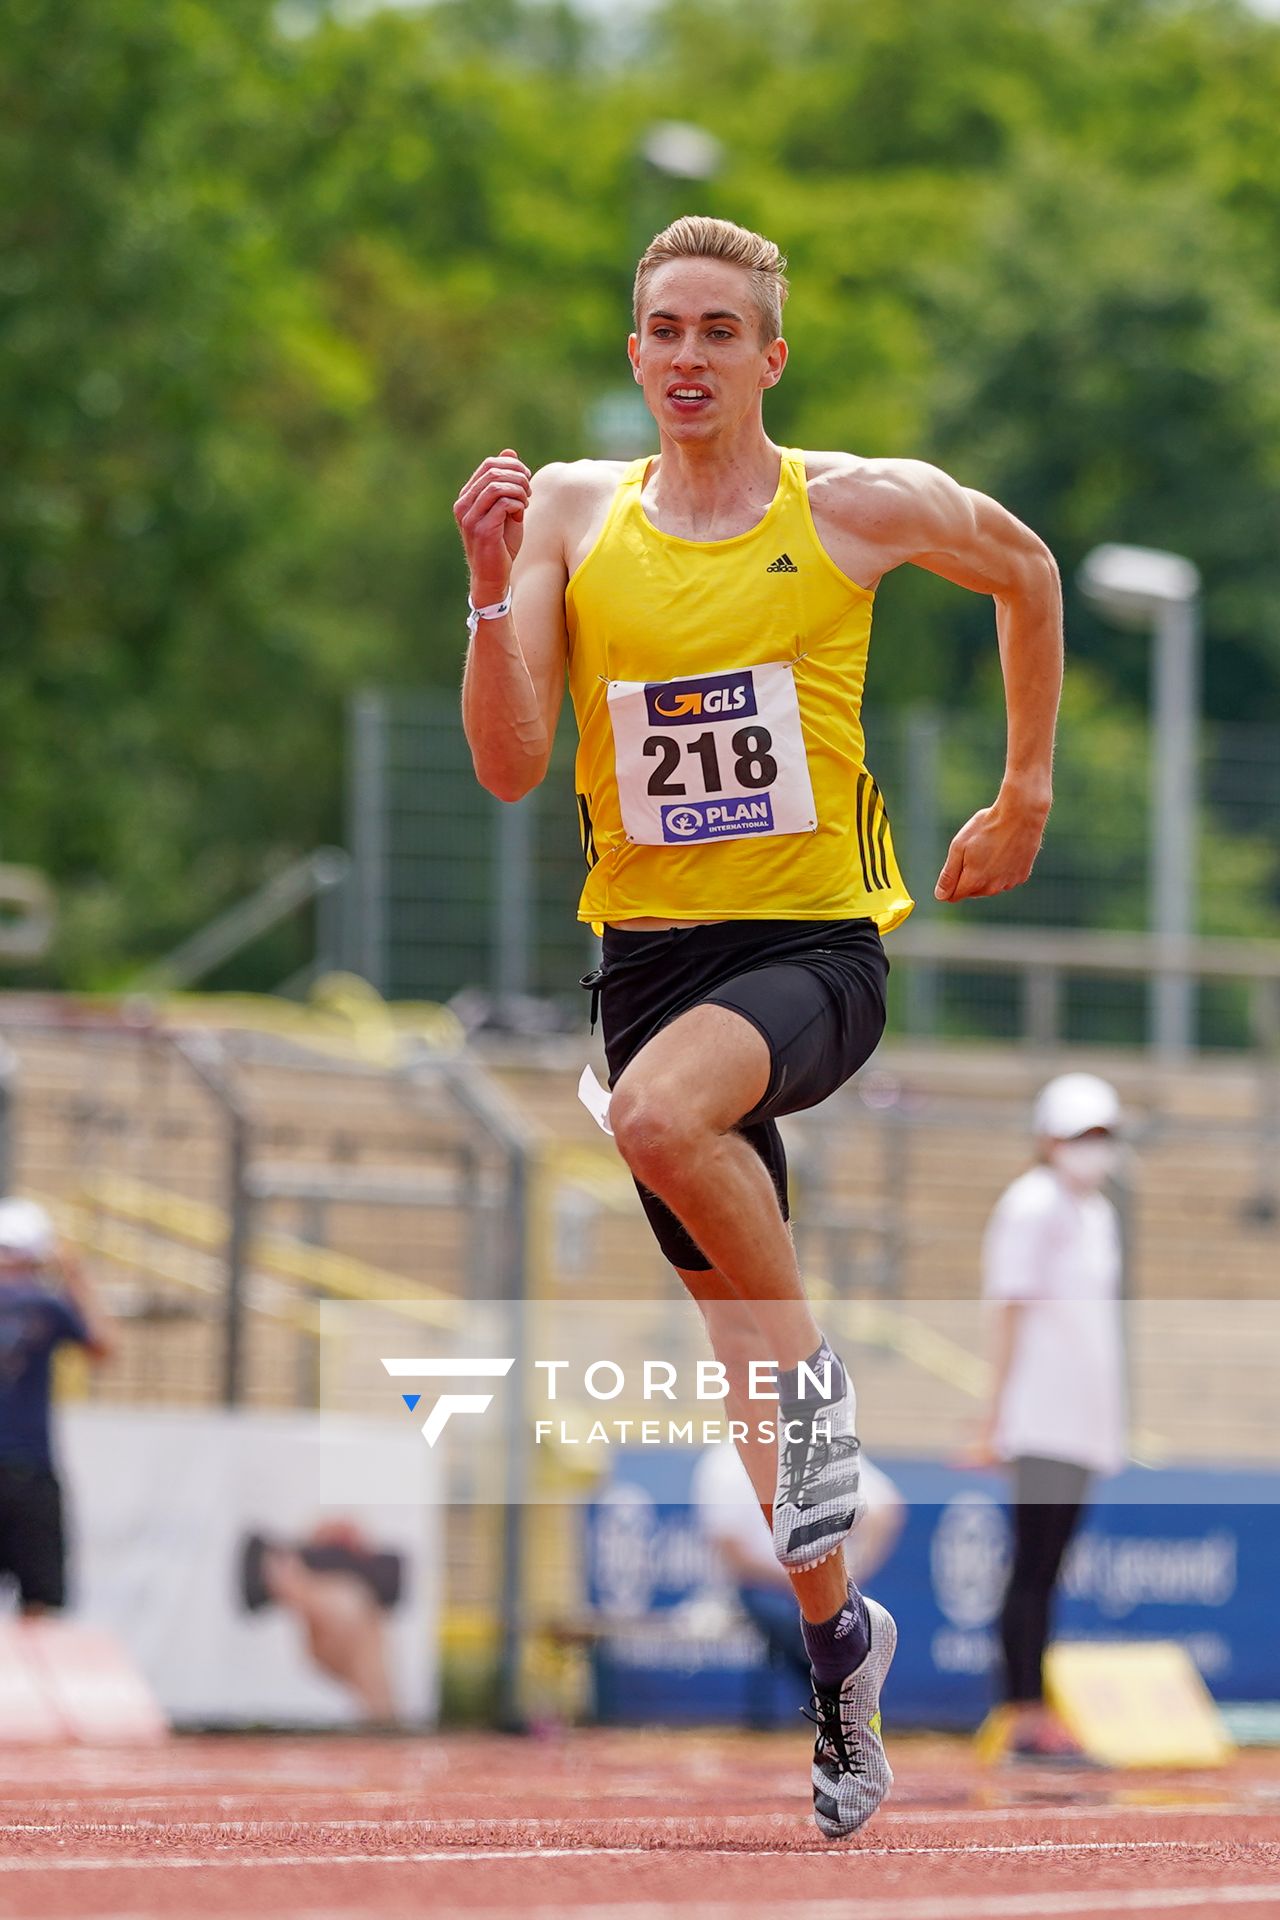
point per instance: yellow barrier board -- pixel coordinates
(1135, 1704)
(991, 1741)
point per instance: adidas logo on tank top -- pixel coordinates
(783, 564)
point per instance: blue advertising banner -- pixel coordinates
(1192, 1556)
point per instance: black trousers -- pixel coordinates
(1048, 1497)
(32, 1540)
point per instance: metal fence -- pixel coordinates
(451, 889)
(224, 1186)
(228, 1189)
(224, 1183)
(454, 891)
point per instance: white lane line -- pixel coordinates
(554, 1823)
(1005, 1906)
(1014, 1906)
(464, 1856)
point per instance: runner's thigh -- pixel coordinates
(821, 1018)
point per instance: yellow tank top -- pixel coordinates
(717, 687)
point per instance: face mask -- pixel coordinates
(1087, 1164)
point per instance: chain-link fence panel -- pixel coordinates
(458, 893)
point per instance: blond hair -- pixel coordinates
(696, 236)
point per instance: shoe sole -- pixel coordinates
(801, 1561)
(792, 1564)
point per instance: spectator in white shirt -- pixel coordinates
(1052, 1263)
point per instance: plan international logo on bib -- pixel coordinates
(705, 819)
(712, 696)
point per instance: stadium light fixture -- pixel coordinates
(683, 151)
(619, 426)
(1144, 588)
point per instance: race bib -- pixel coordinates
(715, 756)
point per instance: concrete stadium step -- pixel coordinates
(951, 1122)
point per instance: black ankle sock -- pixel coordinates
(836, 1646)
(813, 1397)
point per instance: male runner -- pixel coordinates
(712, 608)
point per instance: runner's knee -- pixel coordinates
(655, 1138)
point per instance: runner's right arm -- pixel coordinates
(99, 1341)
(1004, 1343)
(513, 684)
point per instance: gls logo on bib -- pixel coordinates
(721, 696)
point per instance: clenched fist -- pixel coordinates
(490, 515)
(992, 853)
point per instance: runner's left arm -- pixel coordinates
(924, 518)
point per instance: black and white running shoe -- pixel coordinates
(851, 1771)
(816, 1504)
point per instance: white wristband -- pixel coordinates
(476, 614)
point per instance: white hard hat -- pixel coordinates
(1075, 1103)
(26, 1229)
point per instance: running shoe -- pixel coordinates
(851, 1772)
(816, 1504)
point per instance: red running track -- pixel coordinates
(615, 1826)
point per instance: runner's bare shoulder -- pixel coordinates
(871, 489)
(577, 494)
(869, 513)
(575, 486)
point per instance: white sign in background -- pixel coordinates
(160, 1502)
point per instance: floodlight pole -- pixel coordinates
(1144, 588)
(1174, 796)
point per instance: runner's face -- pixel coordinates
(698, 353)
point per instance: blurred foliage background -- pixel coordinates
(273, 279)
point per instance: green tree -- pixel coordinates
(272, 281)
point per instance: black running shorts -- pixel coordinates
(814, 989)
(32, 1549)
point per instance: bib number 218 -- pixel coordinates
(752, 766)
(715, 756)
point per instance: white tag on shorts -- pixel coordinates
(715, 756)
(595, 1099)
